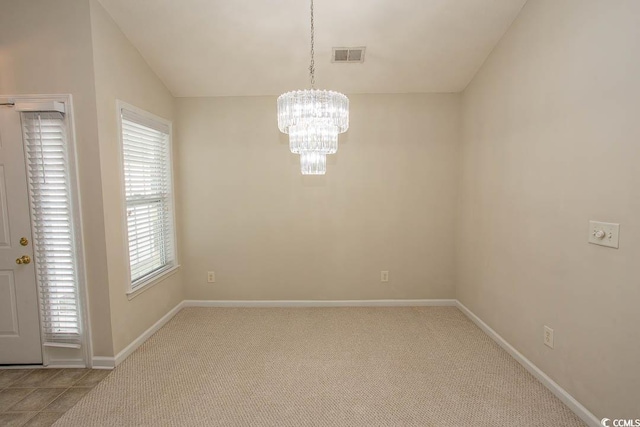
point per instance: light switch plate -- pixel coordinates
(604, 234)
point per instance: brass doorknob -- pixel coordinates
(24, 259)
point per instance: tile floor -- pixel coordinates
(38, 397)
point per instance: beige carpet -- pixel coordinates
(422, 366)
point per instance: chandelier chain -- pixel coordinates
(312, 66)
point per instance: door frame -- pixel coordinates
(49, 360)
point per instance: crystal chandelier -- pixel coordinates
(313, 119)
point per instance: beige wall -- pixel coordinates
(45, 48)
(551, 139)
(121, 73)
(73, 46)
(386, 202)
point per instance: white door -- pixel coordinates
(19, 321)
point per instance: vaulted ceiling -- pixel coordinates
(261, 47)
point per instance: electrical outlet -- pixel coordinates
(211, 276)
(384, 276)
(548, 336)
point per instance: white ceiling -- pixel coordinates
(261, 47)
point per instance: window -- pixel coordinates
(46, 147)
(148, 191)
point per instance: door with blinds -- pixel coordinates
(19, 320)
(39, 279)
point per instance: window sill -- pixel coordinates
(131, 294)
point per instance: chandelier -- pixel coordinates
(313, 119)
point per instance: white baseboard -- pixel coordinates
(558, 391)
(102, 362)
(125, 352)
(321, 303)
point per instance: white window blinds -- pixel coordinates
(46, 143)
(148, 191)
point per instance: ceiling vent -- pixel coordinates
(347, 54)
